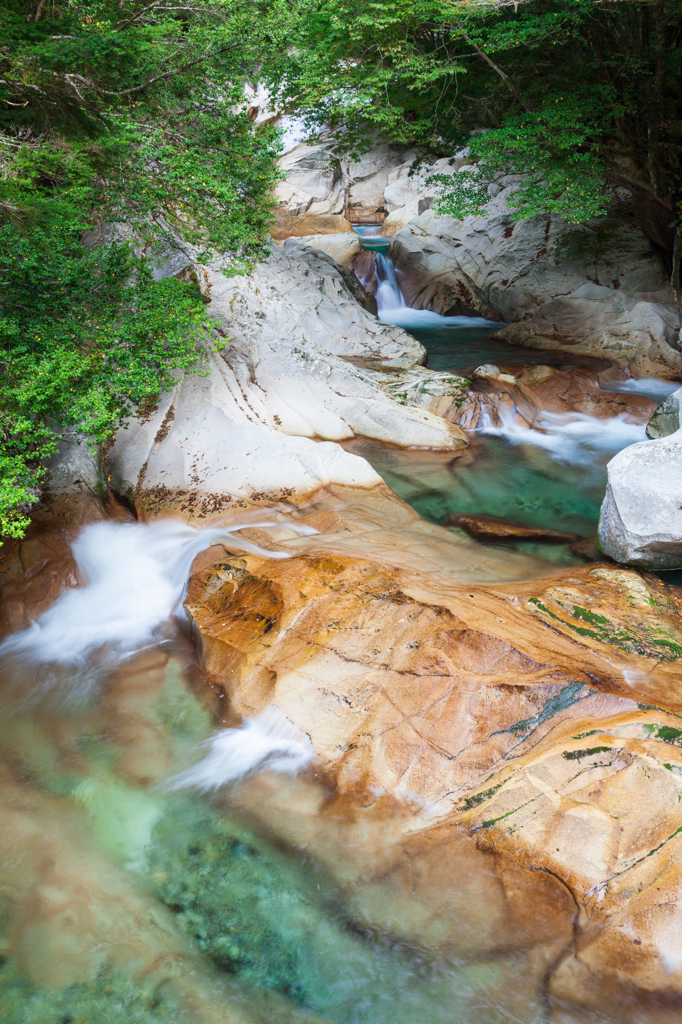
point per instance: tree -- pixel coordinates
(115, 111)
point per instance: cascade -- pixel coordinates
(392, 308)
(133, 578)
(388, 294)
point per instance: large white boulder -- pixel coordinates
(301, 295)
(641, 515)
(260, 423)
(595, 289)
(204, 449)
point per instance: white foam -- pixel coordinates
(134, 576)
(392, 309)
(573, 438)
(649, 387)
(269, 742)
(419, 319)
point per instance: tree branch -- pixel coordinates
(503, 75)
(167, 75)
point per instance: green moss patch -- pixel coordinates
(577, 755)
(650, 640)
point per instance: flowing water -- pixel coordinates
(127, 843)
(550, 477)
(119, 801)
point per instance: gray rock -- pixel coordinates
(596, 289)
(75, 467)
(641, 515)
(303, 296)
(667, 419)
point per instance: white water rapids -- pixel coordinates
(133, 579)
(573, 438)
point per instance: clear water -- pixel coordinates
(470, 345)
(135, 896)
(370, 238)
(554, 479)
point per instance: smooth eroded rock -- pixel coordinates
(641, 515)
(490, 528)
(503, 772)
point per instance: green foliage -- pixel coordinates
(556, 154)
(115, 111)
(577, 96)
(86, 338)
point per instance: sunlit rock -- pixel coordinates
(480, 737)
(319, 185)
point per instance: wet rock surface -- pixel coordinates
(532, 275)
(520, 735)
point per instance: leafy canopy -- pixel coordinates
(579, 96)
(115, 111)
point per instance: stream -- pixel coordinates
(554, 477)
(116, 780)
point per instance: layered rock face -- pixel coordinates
(498, 773)
(595, 289)
(257, 425)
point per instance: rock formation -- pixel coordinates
(288, 381)
(596, 289)
(476, 739)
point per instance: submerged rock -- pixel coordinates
(641, 515)
(490, 528)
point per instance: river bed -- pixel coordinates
(114, 842)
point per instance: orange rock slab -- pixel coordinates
(497, 763)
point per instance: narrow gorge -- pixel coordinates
(341, 662)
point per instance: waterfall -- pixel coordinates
(392, 308)
(133, 580)
(388, 294)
